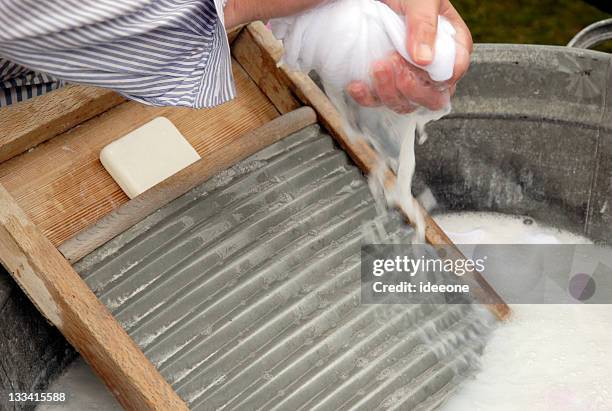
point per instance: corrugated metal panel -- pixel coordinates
(245, 292)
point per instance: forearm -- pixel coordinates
(244, 11)
(141, 57)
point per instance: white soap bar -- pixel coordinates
(147, 156)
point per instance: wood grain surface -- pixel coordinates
(34, 121)
(65, 300)
(365, 157)
(61, 184)
(261, 67)
(135, 210)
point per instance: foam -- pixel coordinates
(546, 357)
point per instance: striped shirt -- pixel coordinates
(159, 52)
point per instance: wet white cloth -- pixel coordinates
(340, 40)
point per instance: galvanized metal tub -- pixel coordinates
(530, 133)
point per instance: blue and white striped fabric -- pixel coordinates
(18, 83)
(159, 52)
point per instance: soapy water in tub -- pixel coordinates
(340, 41)
(546, 357)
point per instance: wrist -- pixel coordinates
(244, 11)
(234, 13)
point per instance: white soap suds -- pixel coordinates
(84, 391)
(546, 357)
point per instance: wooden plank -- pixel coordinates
(61, 184)
(261, 67)
(161, 194)
(65, 300)
(27, 124)
(367, 159)
(233, 33)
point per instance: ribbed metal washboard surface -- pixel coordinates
(245, 292)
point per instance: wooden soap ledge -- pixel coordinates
(135, 210)
(61, 184)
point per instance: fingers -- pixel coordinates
(413, 85)
(401, 87)
(384, 90)
(383, 73)
(463, 40)
(422, 21)
(462, 63)
(362, 94)
(463, 35)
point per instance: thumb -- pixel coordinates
(422, 22)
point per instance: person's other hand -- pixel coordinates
(402, 86)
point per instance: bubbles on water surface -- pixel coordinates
(546, 357)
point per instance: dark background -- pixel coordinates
(531, 21)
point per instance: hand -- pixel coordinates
(402, 86)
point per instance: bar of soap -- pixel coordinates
(147, 156)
